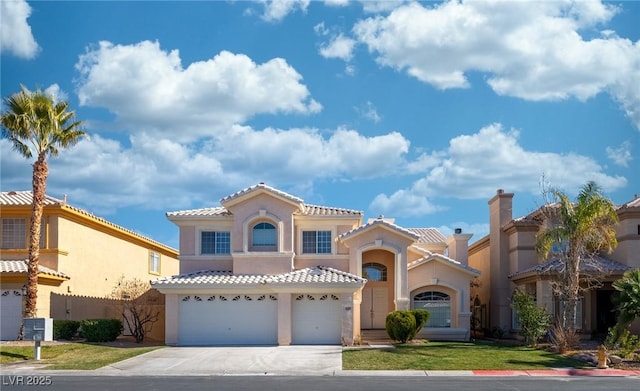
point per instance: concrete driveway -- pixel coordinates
(237, 360)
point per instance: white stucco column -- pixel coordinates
(284, 318)
(171, 319)
(402, 281)
(348, 310)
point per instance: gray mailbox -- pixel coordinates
(38, 329)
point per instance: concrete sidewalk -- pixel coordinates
(269, 361)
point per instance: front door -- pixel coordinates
(374, 308)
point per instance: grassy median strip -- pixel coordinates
(73, 355)
(454, 356)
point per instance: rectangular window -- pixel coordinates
(154, 262)
(214, 242)
(316, 242)
(14, 233)
(557, 310)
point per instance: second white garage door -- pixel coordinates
(228, 320)
(316, 319)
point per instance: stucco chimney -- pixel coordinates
(500, 214)
(458, 246)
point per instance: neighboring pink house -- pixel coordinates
(266, 268)
(508, 260)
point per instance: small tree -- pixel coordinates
(576, 233)
(137, 303)
(534, 320)
(401, 325)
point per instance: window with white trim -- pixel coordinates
(263, 237)
(316, 242)
(215, 242)
(438, 304)
(14, 233)
(154, 262)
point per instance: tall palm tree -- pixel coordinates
(578, 230)
(36, 125)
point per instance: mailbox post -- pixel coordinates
(38, 330)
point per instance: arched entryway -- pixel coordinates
(377, 295)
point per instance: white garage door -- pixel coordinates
(316, 319)
(228, 320)
(11, 314)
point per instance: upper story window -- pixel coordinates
(154, 262)
(263, 235)
(215, 242)
(14, 233)
(374, 271)
(316, 242)
(439, 306)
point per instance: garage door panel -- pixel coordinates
(316, 319)
(228, 320)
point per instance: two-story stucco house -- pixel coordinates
(266, 268)
(82, 258)
(508, 260)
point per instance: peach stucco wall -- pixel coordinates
(96, 260)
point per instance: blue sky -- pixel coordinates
(414, 110)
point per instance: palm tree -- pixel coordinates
(576, 231)
(628, 297)
(38, 126)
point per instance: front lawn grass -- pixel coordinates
(455, 356)
(73, 355)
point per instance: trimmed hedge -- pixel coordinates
(422, 317)
(101, 330)
(401, 325)
(65, 329)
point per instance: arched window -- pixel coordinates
(439, 306)
(263, 236)
(374, 271)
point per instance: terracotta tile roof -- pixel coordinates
(428, 235)
(631, 204)
(312, 275)
(594, 264)
(317, 210)
(383, 223)
(203, 212)
(261, 185)
(20, 267)
(23, 198)
(443, 259)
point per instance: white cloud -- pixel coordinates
(17, 38)
(475, 165)
(530, 50)
(149, 89)
(150, 172)
(379, 6)
(276, 10)
(368, 111)
(336, 3)
(56, 93)
(340, 47)
(403, 203)
(621, 155)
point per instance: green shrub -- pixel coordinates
(534, 320)
(401, 325)
(422, 317)
(101, 330)
(65, 329)
(622, 341)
